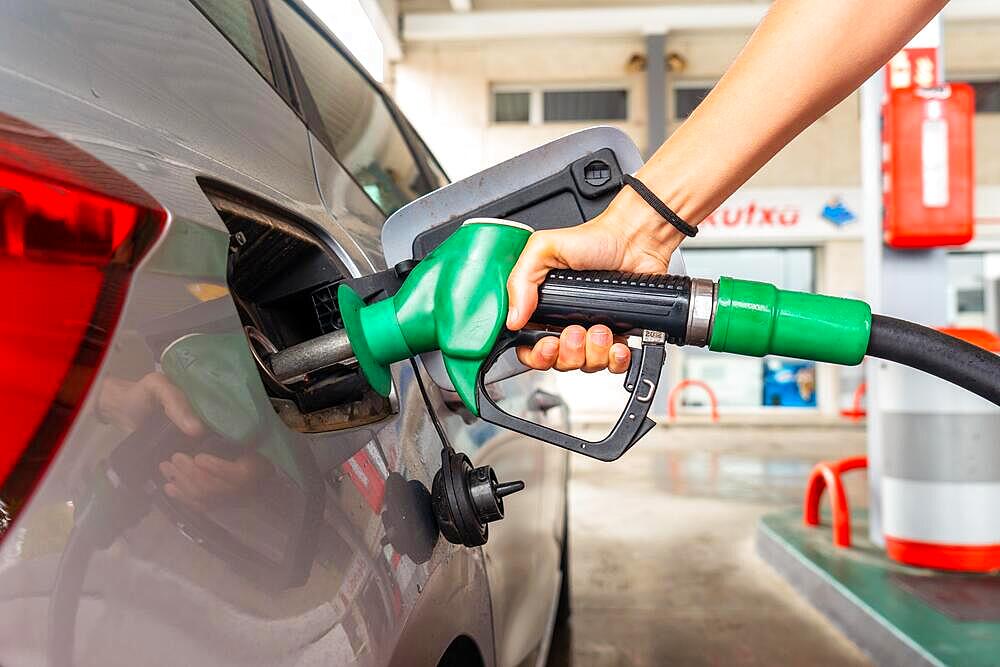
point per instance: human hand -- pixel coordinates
(198, 480)
(203, 480)
(628, 236)
(128, 404)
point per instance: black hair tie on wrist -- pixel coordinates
(657, 205)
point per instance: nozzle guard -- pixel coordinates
(376, 372)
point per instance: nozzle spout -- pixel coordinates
(311, 355)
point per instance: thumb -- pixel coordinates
(538, 256)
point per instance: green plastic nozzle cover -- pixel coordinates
(757, 319)
(454, 300)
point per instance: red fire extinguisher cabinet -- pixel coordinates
(928, 166)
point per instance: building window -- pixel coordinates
(987, 95)
(788, 268)
(687, 96)
(974, 290)
(576, 105)
(511, 107)
(559, 104)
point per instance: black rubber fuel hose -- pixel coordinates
(949, 358)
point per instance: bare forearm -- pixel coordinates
(803, 59)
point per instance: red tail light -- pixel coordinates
(71, 232)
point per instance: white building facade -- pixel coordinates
(486, 81)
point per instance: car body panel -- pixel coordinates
(116, 79)
(170, 590)
(524, 582)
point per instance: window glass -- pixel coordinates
(987, 96)
(437, 173)
(540, 103)
(745, 382)
(511, 107)
(787, 268)
(438, 177)
(686, 98)
(575, 105)
(356, 123)
(967, 290)
(237, 20)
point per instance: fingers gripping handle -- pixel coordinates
(640, 382)
(656, 307)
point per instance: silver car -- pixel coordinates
(183, 183)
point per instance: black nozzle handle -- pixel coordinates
(627, 303)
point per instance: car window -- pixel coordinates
(356, 124)
(436, 172)
(439, 175)
(237, 20)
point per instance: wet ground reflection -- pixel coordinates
(735, 476)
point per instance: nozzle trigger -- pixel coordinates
(641, 382)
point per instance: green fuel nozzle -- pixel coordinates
(455, 301)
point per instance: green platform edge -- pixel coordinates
(854, 588)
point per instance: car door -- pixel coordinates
(369, 162)
(374, 172)
(356, 129)
(523, 555)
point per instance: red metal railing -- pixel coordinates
(680, 387)
(857, 413)
(826, 475)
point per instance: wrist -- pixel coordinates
(673, 192)
(639, 224)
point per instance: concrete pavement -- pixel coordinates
(663, 569)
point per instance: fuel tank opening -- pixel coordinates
(284, 276)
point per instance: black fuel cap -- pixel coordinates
(467, 499)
